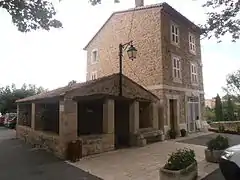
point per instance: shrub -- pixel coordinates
(180, 159)
(221, 129)
(172, 134)
(218, 143)
(183, 132)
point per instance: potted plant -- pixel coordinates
(172, 134)
(215, 148)
(180, 165)
(183, 132)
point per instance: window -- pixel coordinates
(177, 76)
(174, 34)
(94, 75)
(194, 74)
(94, 56)
(192, 45)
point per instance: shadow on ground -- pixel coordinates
(20, 161)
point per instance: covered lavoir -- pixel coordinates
(92, 112)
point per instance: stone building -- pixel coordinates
(168, 62)
(92, 112)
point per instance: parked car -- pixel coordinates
(2, 118)
(10, 120)
(12, 123)
(230, 163)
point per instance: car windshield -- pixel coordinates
(11, 115)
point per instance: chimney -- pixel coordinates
(139, 3)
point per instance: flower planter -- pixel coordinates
(213, 156)
(190, 173)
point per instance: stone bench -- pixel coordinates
(148, 135)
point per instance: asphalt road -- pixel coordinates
(20, 161)
(202, 140)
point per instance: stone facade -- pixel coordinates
(94, 144)
(39, 139)
(149, 27)
(228, 125)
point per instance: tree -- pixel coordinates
(9, 95)
(222, 19)
(72, 82)
(218, 109)
(233, 86)
(230, 110)
(95, 2)
(209, 114)
(28, 15)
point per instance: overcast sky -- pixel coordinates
(52, 59)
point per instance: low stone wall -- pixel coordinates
(48, 141)
(228, 125)
(95, 144)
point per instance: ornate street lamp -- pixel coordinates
(132, 54)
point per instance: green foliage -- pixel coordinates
(210, 114)
(172, 134)
(95, 2)
(222, 19)
(70, 83)
(180, 159)
(233, 85)
(218, 143)
(29, 15)
(218, 109)
(9, 95)
(221, 129)
(183, 132)
(230, 110)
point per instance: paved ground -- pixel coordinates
(140, 163)
(233, 140)
(19, 161)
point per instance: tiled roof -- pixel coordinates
(60, 92)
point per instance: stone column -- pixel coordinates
(33, 116)
(108, 116)
(68, 120)
(18, 114)
(134, 117)
(38, 125)
(153, 112)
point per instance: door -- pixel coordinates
(193, 115)
(173, 114)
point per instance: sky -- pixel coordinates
(53, 58)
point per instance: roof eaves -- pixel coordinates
(166, 5)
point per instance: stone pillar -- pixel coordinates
(134, 117)
(33, 116)
(153, 113)
(18, 114)
(38, 124)
(108, 116)
(68, 120)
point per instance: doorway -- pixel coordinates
(193, 114)
(121, 124)
(173, 114)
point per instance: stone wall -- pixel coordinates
(94, 144)
(48, 141)
(228, 125)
